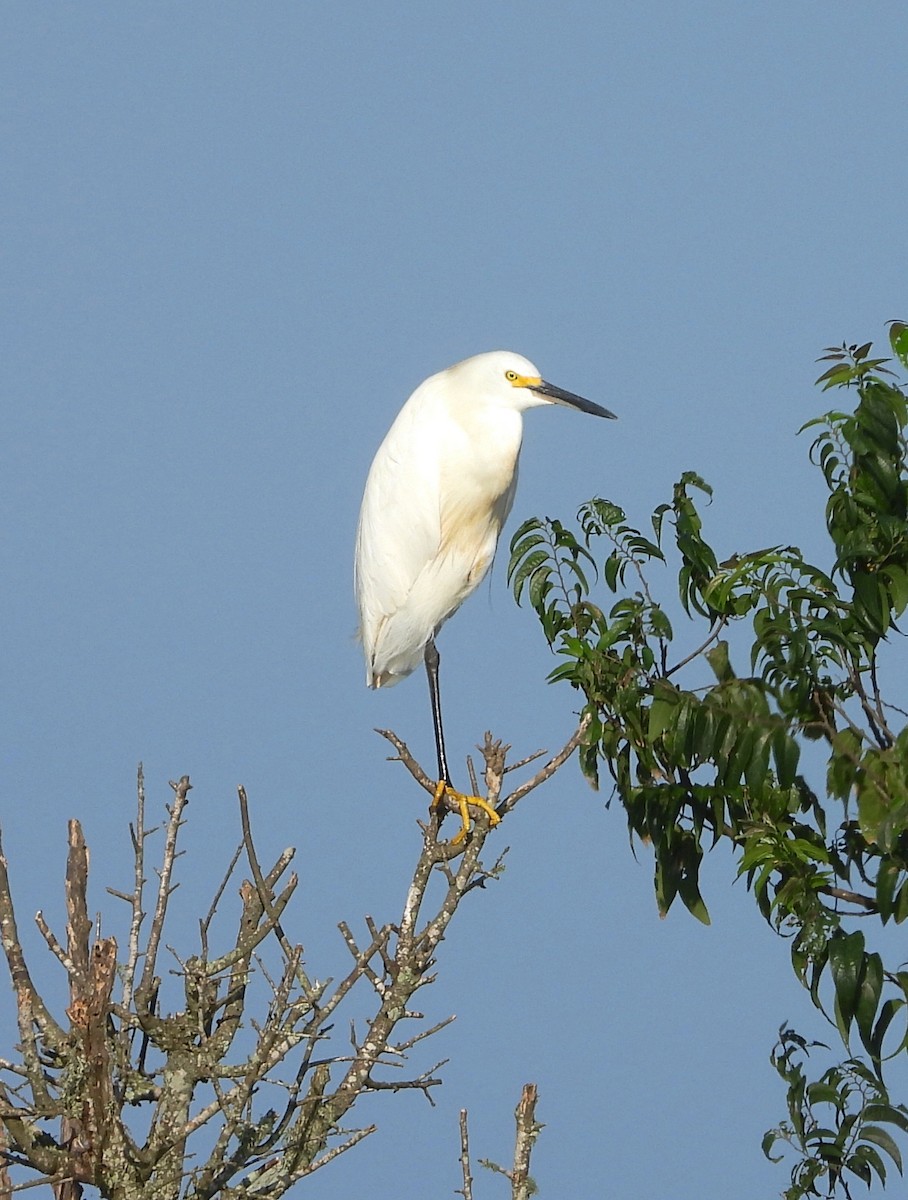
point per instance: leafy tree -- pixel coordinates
(780, 659)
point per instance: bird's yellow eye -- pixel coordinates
(511, 376)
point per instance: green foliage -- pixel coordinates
(836, 1124)
(703, 744)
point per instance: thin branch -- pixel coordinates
(403, 1085)
(403, 1047)
(377, 945)
(138, 835)
(44, 1181)
(467, 1190)
(246, 945)
(259, 1145)
(181, 799)
(366, 969)
(266, 895)
(336, 1150)
(31, 1010)
(550, 767)
(205, 924)
(54, 946)
(403, 755)
(711, 637)
(524, 762)
(867, 903)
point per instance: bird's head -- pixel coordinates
(509, 379)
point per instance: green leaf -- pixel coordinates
(520, 547)
(846, 958)
(786, 753)
(719, 662)
(887, 880)
(880, 1137)
(900, 908)
(836, 376)
(661, 713)
(897, 578)
(888, 1010)
(891, 1114)
(869, 991)
(855, 1165)
(863, 1161)
(823, 1093)
(539, 580)
(898, 340)
(613, 570)
(528, 567)
(769, 1140)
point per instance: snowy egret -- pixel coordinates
(438, 493)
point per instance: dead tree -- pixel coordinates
(214, 1098)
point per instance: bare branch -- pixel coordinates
(54, 946)
(338, 1150)
(403, 755)
(522, 1186)
(205, 924)
(403, 1047)
(524, 762)
(31, 1009)
(139, 834)
(467, 1190)
(264, 889)
(546, 772)
(181, 799)
(78, 922)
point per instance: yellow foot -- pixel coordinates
(444, 789)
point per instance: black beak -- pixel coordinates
(559, 396)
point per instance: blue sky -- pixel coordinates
(235, 238)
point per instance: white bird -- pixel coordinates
(438, 493)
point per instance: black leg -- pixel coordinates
(432, 660)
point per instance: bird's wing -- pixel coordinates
(399, 530)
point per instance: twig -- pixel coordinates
(49, 1181)
(30, 1008)
(866, 903)
(713, 634)
(138, 836)
(524, 762)
(401, 1085)
(550, 767)
(336, 1150)
(467, 1190)
(181, 799)
(403, 755)
(205, 924)
(403, 1047)
(367, 970)
(266, 895)
(54, 946)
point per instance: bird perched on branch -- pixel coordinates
(438, 493)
